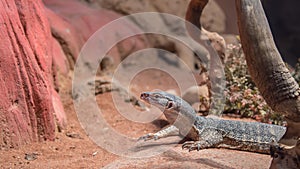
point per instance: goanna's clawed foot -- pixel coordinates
(149, 136)
(192, 145)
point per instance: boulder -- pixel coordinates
(228, 7)
(213, 17)
(68, 40)
(74, 23)
(213, 20)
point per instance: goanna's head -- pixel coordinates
(166, 101)
(173, 107)
(162, 100)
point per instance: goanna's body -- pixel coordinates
(211, 132)
(248, 136)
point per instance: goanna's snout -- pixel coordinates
(144, 96)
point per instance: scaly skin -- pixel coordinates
(211, 132)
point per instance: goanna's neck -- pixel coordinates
(182, 116)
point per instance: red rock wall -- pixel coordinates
(26, 107)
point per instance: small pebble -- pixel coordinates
(31, 156)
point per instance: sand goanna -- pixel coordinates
(210, 132)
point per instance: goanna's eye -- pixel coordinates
(169, 105)
(156, 96)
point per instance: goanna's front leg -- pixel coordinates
(169, 131)
(207, 139)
